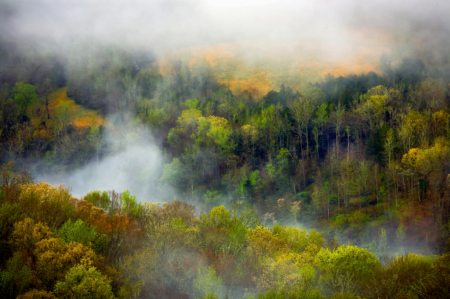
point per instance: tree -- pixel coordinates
(347, 269)
(140, 271)
(11, 180)
(130, 206)
(302, 111)
(24, 95)
(188, 120)
(54, 258)
(340, 111)
(315, 96)
(9, 214)
(206, 282)
(96, 138)
(64, 114)
(389, 144)
(37, 294)
(84, 283)
(44, 90)
(82, 233)
(400, 234)
(414, 127)
(27, 233)
(16, 277)
(51, 205)
(173, 173)
(98, 199)
(251, 136)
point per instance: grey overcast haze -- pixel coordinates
(167, 25)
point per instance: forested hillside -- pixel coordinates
(349, 155)
(107, 245)
(268, 187)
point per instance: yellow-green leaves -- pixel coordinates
(374, 106)
(84, 282)
(347, 269)
(188, 120)
(423, 161)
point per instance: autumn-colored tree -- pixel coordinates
(51, 205)
(11, 180)
(121, 230)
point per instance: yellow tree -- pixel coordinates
(423, 162)
(414, 127)
(51, 205)
(188, 120)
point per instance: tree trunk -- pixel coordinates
(46, 105)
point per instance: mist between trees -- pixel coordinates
(349, 155)
(131, 174)
(362, 159)
(109, 245)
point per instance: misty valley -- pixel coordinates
(180, 156)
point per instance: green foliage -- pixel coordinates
(64, 115)
(315, 96)
(347, 269)
(24, 95)
(218, 217)
(234, 148)
(156, 118)
(207, 282)
(83, 233)
(188, 120)
(382, 243)
(16, 277)
(298, 239)
(130, 206)
(37, 294)
(211, 296)
(172, 137)
(9, 214)
(212, 198)
(345, 295)
(82, 282)
(293, 294)
(192, 104)
(173, 173)
(100, 200)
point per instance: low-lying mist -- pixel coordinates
(133, 162)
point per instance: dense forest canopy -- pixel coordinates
(160, 167)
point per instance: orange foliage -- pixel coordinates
(261, 72)
(106, 224)
(122, 231)
(82, 117)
